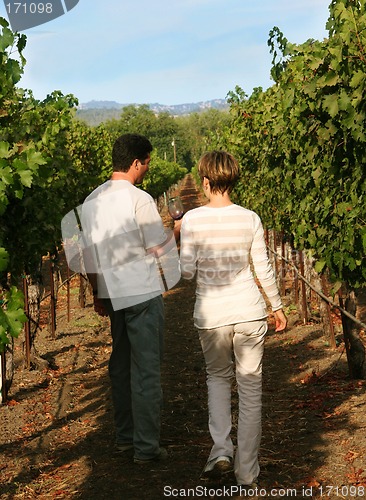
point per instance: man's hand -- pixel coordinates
(280, 320)
(99, 306)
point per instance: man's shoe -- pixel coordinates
(122, 448)
(160, 457)
(217, 467)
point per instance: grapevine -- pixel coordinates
(302, 144)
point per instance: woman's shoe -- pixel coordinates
(217, 467)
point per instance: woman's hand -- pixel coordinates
(280, 320)
(176, 230)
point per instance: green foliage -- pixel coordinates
(180, 139)
(96, 116)
(39, 178)
(161, 129)
(13, 170)
(12, 317)
(35, 171)
(302, 143)
(195, 175)
(161, 175)
(90, 149)
(202, 132)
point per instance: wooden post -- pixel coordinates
(304, 305)
(174, 150)
(330, 324)
(354, 346)
(68, 293)
(283, 265)
(346, 335)
(4, 395)
(275, 255)
(296, 277)
(82, 290)
(26, 324)
(53, 301)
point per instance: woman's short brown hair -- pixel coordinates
(221, 169)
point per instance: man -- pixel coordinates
(125, 235)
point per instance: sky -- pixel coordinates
(163, 51)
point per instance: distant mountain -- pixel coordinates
(178, 109)
(95, 112)
(184, 109)
(101, 105)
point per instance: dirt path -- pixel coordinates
(56, 439)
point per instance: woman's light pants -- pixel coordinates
(246, 342)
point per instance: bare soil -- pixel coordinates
(56, 439)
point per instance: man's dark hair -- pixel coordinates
(127, 148)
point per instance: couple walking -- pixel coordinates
(218, 243)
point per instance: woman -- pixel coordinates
(219, 241)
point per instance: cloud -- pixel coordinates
(177, 52)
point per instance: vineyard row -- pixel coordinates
(295, 277)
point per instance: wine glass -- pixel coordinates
(175, 207)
